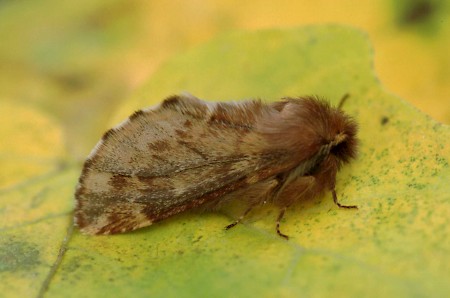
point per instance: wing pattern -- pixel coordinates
(180, 155)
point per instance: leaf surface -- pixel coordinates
(397, 243)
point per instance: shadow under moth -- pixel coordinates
(187, 153)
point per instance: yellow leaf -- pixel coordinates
(396, 244)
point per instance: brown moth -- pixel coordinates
(187, 153)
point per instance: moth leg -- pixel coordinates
(292, 191)
(333, 191)
(280, 217)
(256, 194)
(240, 218)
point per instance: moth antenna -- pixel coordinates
(280, 217)
(339, 204)
(342, 101)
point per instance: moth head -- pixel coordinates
(308, 124)
(342, 138)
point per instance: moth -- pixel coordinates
(187, 153)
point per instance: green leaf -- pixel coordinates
(396, 244)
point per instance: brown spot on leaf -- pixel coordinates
(418, 11)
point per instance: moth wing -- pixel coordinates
(161, 161)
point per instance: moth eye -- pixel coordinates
(338, 149)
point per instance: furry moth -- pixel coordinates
(187, 153)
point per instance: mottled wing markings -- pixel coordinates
(153, 165)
